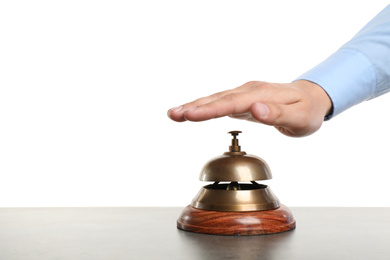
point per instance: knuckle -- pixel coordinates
(263, 86)
(253, 83)
(249, 85)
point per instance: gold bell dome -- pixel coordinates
(235, 167)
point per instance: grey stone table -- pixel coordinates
(151, 233)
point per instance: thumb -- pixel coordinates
(272, 114)
(291, 120)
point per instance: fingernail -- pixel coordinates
(262, 109)
(191, 109)
(176, 109)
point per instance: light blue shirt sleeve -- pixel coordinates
(360, 69)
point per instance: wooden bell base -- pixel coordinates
(236, 223)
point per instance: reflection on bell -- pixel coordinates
(235, 204)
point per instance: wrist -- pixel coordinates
(317, 94)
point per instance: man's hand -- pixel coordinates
(295, 109)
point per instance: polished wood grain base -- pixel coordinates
(236, 223)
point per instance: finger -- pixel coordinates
(242, 116)
(245, 116)
(177, 113)
(234, 103)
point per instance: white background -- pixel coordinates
(85, 87)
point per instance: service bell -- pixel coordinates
(235, 204)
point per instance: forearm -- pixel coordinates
(360, 69)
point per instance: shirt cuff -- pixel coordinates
(348, 77)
